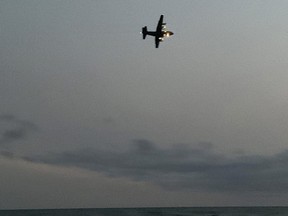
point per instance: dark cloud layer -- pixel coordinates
(182, 167)
(14, 129)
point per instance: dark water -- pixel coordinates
(219, 211)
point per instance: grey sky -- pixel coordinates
(91, 109)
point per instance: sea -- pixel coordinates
(195, 211)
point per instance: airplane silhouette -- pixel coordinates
(160, 33)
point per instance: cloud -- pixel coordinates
(181, 167)
(13, 129)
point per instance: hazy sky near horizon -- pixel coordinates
(91, 115)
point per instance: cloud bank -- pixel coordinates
(13, 130)
(181, 167)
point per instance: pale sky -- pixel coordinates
(92, 115)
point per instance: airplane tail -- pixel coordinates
(144, 32)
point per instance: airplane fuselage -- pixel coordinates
(161, 34)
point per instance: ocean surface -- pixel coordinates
(201, 211)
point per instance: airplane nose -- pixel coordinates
(171, 33)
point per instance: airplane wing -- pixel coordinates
(158, 31)
(157, 42)
(160, 22)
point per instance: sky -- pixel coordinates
(94, 116)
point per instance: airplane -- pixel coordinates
(160, 33)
